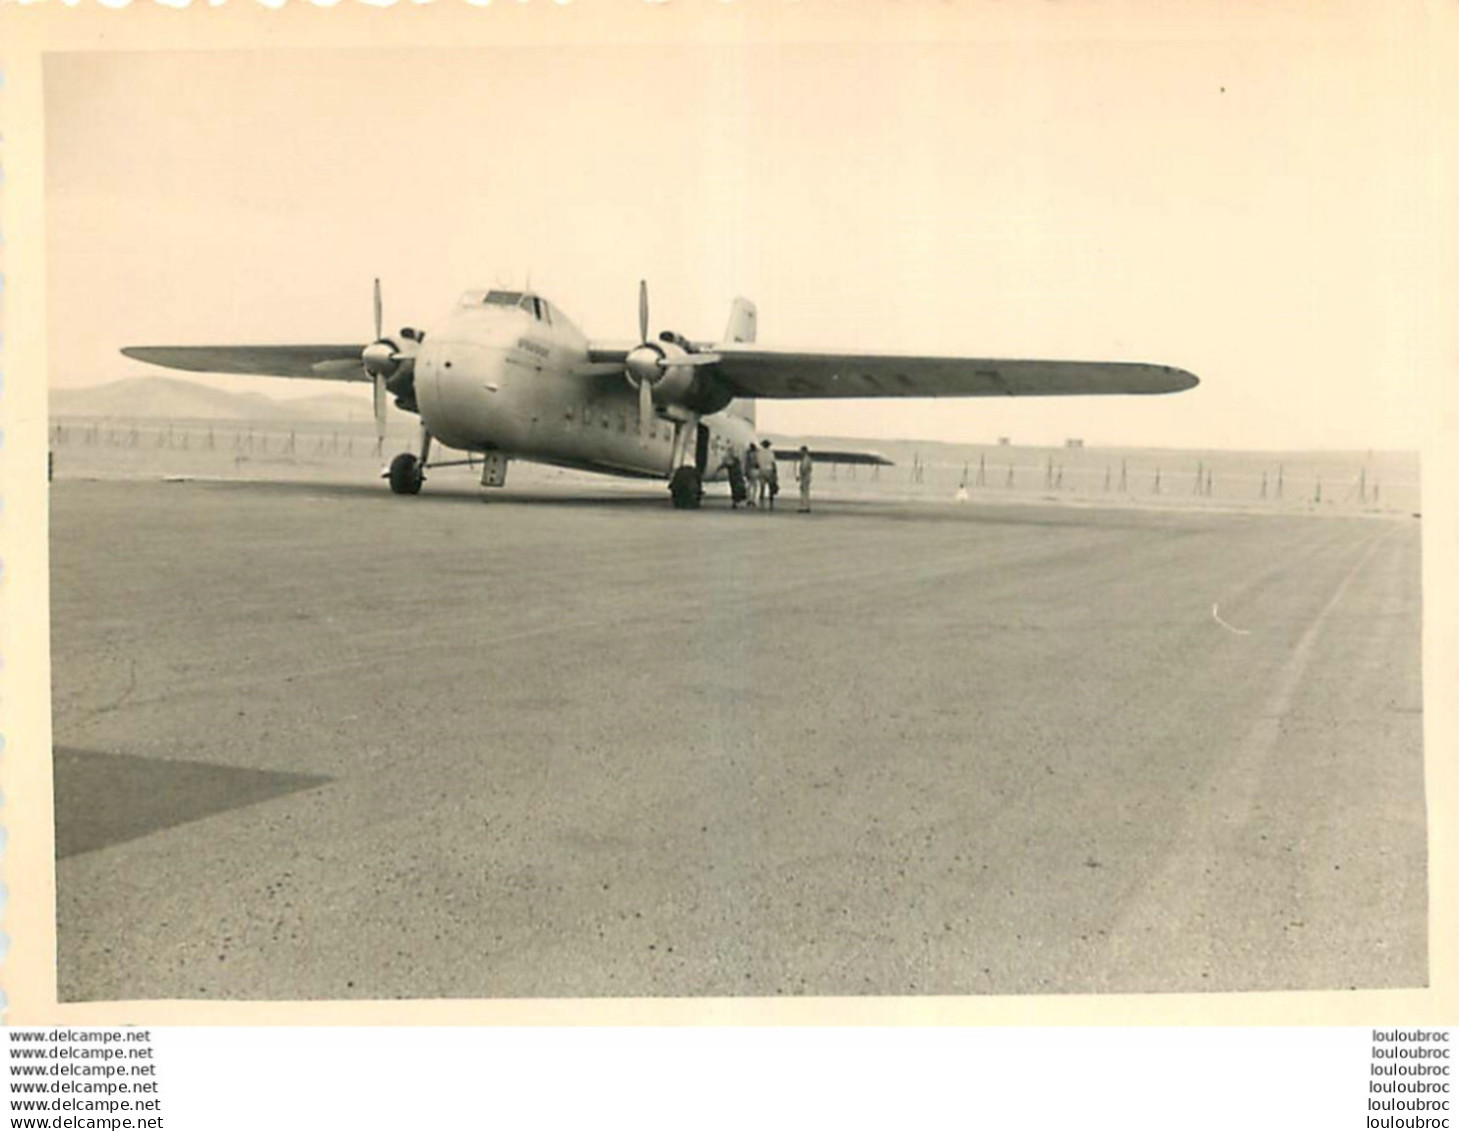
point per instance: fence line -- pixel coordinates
(1241, 480)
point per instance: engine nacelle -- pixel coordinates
(395, 363)
(667, 368)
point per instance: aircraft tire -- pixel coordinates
(405, 474)
(686, 489)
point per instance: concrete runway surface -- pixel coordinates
(314, 742)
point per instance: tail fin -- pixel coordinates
(741, 326)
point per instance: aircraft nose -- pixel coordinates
(457, 381)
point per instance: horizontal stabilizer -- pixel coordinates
(831, 455)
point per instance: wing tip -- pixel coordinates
(1158, 379)
(1179, 379)
(152, 355)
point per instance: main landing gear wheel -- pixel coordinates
(686, 488)
(406, 475)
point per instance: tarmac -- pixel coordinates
(314, 741)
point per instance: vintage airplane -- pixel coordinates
(506, 374)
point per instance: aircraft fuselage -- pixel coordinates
(518, 379)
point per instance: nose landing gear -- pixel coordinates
(405, 474)
(407, 470)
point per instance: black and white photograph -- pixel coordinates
(771, 503)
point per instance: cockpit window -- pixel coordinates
(533, 305)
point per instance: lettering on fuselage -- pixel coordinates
(533, 347)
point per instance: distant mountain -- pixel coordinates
(174, 398)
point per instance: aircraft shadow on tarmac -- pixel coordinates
(104, 799)
(898, 509)
(453, 495)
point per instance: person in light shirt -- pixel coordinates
(769, 476)
(803, 469)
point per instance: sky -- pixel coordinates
(1252, 199)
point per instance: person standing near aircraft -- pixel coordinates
(736, 475)
(769, 475)
(803, 469)
(752, 472)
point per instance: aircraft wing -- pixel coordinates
(323, 363)
(786, 374)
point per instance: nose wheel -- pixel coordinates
(408, 470)
(406, 475)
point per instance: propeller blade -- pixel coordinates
(379, 312)
(379, 413)
(642, 310)
(645, 407)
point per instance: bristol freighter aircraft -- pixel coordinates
(507, 375)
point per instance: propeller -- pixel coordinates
(384, 361)
(643, 363)
(649, 362)
(379, 361)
